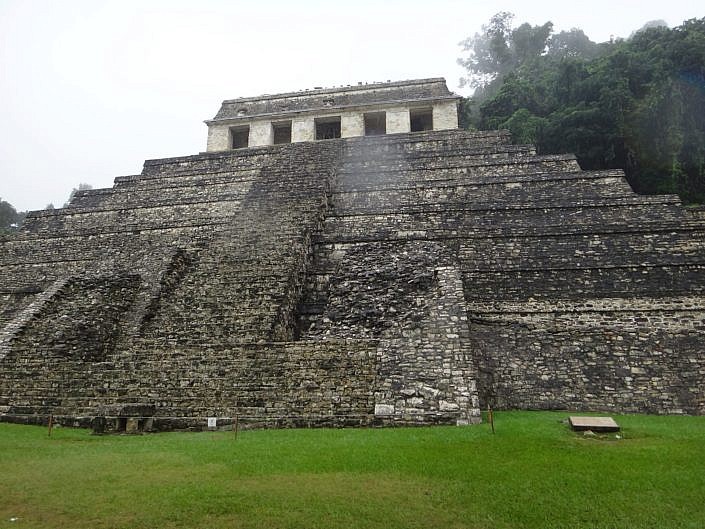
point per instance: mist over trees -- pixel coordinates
(10, 218)
(81, 187)
(636, 104)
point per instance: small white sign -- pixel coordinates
(212, 422)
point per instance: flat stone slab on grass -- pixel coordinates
(596, 424)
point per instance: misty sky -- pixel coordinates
(90, 89)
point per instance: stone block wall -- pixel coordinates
(263, 385)
(81, 319)
(619, 361)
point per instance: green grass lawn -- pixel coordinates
(533, 473)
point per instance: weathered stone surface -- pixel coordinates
(593, 424)
(132, 425)
(399, 279)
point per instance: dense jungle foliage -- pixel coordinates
(636, 104)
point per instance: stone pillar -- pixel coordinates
(398, 120)
(218, 138)
(261, 133)
(352, 124)
(445, 115)
(303, 129)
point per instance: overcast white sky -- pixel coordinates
(90, 89)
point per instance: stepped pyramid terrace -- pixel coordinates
(348, 257)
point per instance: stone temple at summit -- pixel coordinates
(348, 257)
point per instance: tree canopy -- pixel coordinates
(636, 104)
(10, 218)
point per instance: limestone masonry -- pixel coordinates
(345, 257)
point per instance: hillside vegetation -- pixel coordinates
(636, 104)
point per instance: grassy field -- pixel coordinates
(533, 473)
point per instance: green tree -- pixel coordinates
(10, 218)
(8, 214)
(636, 104)
(574, 43)
(500, 49)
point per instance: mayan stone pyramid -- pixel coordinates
(348, 257)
